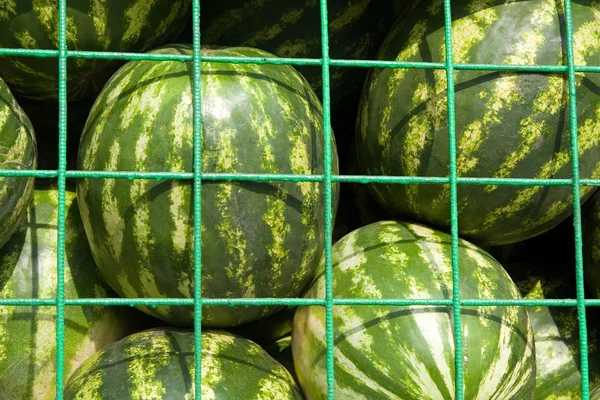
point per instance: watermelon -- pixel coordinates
(92, 25)
(591, 244)
(28, 270)
(407, 352)
(556, 331)
(292, 28)
(260, 239)
(18, 151)
(159, 364)
(508, 125)
(595, 394)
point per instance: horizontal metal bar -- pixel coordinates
(190, 302)
(128, 56)
(263, 60)
(190, 176)
(361, 179)
(549, 69)
(386, 64)
(153, 302)
(28, 302)
(39, 53)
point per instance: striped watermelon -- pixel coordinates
(591, 243)
(99, 25)
(507, 124)
(408, 352)
(292, 28)
(18, 150)
(28, 270)
(556, 331)
(259, 239)
(595, 394)
(159, 364)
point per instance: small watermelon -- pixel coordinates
(28, 270)
(92, 25)
(508, 125)
(260, 239)
(407, 352)
(159, 364)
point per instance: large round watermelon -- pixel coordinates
(28, 270)
(18, 151)
(508, 125)
(260, 239)
(556, 331)
(408, 352)
(292, 28)
(93, 25)
(159, 364)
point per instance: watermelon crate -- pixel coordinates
(174, 189)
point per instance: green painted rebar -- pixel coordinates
(456, 306)
(62, 168)
(245, 177)
(295, 302)
(197, 128)
(583, 343)
(327, 188)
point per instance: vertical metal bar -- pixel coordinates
(327, 189)
(458, 344)
(197, 86)
(62, 167)
(583, 342)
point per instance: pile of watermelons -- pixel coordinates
(134, 238)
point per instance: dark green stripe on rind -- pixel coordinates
(259, 239)
(508, 124)
(159, 363)
(408, 352)
(28, 270)
(92, 25)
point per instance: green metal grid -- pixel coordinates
(327, 178)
